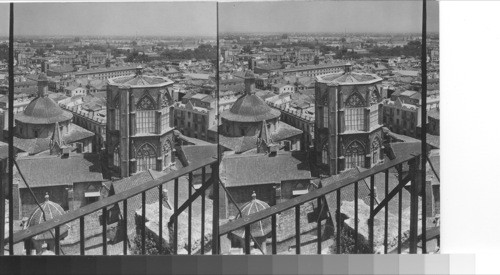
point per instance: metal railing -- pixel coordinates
(104, 205)
(408, 157)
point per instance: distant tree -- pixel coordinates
(247, 49)
(39, 52)
(343, 40)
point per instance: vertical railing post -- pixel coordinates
(57, 248)
(82, 235)
(414, 205)
(356, 230)
(247, 239)
(274, 239)
(160, 218)
(400, 206)
(104, 231)
(125, 227)
(11, 135)
(386, 212)
(318, 230)
(215, 216)
(371, 219)
(176, 205)
(424, 123)
(143, 225)
(202, 243)
(297, 229)
(339, 222)
(190, 216)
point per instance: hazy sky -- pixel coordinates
(192, 18)
(327, 16)
(4, 19)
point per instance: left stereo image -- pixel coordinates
(112, 117)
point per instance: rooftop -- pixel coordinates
(139, 80)
(255, 169)
(349, 78)
(250, 108)
(40, 171)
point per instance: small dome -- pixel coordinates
(250, 108)
(51, 210)
(249, 75)
(258, 229)
(43, 110)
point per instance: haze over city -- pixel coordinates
(125, 19)
(327, 16)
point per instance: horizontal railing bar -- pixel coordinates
(109, 201)
(412, 151)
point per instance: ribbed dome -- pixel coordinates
(51, 210)
(250, 108)
(258, 229)
(43, 110)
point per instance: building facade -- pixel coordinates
(139, 132)
(348, 115)
(195, 115)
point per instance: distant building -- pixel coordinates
(72, 181)
(274, 176)
(139, 132)
(348, 121)
(43, 122)
(433, 122)
(243, 123)
(315, 70)
(195, 115)
(302, 119)
(281, 88)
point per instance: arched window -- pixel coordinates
(146, 103)
(354, 155)
(167, 153)
(355, 100)
(145, 116)
(146, 157)
(116, 156)
(376, 150)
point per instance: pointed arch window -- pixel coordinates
(145, 116)
(354, 155)
(146, 157)
(376, 150)
(116, 156)
(146, 103)
(355, 100)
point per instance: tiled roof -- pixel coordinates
(43, 110)
(40, 171)
(254, 169)
(250, 108)
(140, 80)
(32, 145)
(349, 78)
(245, 143)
